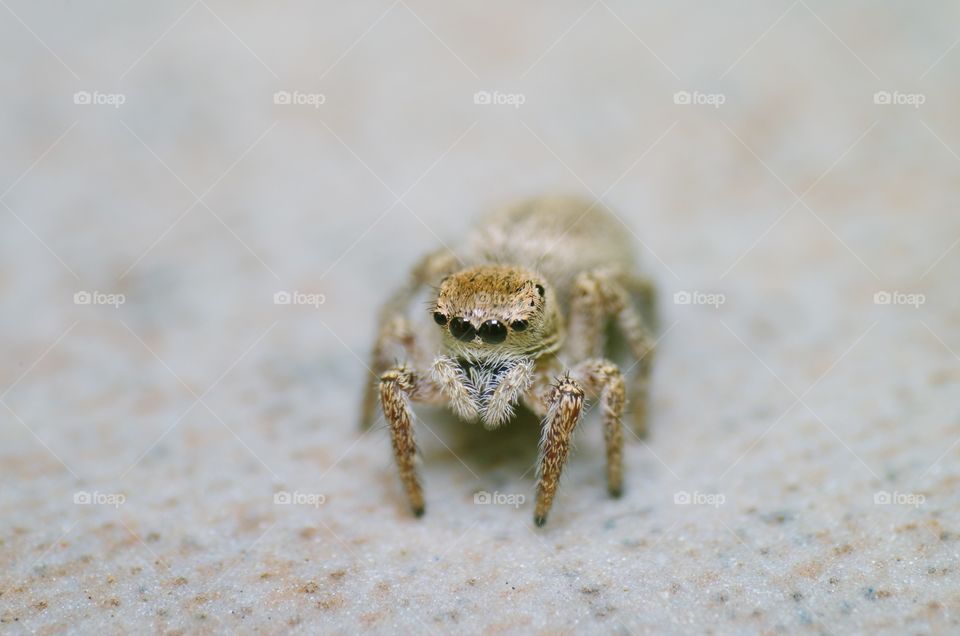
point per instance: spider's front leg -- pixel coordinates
(564, 405)
(396, 338)
(561, 404)
(395, 341)
(398, 388)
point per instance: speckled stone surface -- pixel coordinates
(782, 415)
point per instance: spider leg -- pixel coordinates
(645, 293)
(396, 338)
(395, 341)
(602, 294)
(602, 377)
(638, 333)
(561, 405)
(398, 388)
(586, 330)
(563, 413)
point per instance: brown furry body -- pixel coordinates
(522, 312)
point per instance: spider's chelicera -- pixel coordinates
(521, 314)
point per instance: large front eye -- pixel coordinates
(493, 332)
(462, 330)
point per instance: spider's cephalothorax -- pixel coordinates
(533, 290)
(495, 321)
(497, 312)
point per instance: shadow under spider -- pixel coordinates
(509, 450)
(502, 455)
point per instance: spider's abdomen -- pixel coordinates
(557, 236)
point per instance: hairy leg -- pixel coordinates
(396, 339)
(565, 405)
(603, 293)
(560, 403)
(586, 328)
(602, 377)
(538, 396)
(639, 337)
(644, 292)
(398, 388)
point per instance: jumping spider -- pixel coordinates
(535, 286)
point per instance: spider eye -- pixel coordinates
(462, 330)
(541, 290)
(519, 325)
(439, 318)
(493, 332)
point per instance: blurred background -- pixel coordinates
(202, 204)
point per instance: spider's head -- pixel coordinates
(497, 312)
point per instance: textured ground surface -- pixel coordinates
(782, 413)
